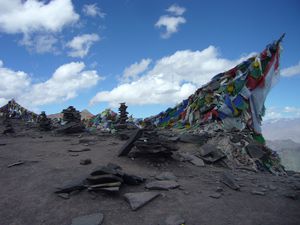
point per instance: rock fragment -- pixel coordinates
(92, 219)
(139, 199)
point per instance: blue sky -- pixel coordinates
(150, 54)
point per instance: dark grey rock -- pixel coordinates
(166, 176)
(192, 159)
(129, 143)
(162, 185)
(64, 195)
(173, 220)
(257, 192)
(139, 199)
(102, 179)
(92, 219)
(71, 186)
(79, 150)
(194, 138)
(215, 195)
(255, 150)
(132, 179)
(85, 161)
(228, 179)
(70, 128)
(291, 195)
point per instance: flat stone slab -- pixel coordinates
(162, 185)
(139, 199)
(228, 179)
(92, 219)
(173, 220)
(192, 159)
(166, 176)
(255, 151)
(79, 150)
(193, 138)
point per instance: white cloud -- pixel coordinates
(93, 10)
(176, 10)
(282, 112)
(131, 73)
(34, 16)
(171, 79)
(40, 43)
(64, 84)
(80, 45)
(171, 24)
(291, 71)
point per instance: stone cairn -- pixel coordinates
(44, 122)
(72, 119)
(122, 117)
(71, 115)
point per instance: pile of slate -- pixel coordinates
(122, 122)
(8, 128)
(236, 150)
(148, 143)
(72, 121)
(108, 179)
(44, 122)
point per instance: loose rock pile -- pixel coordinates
(44, 122)
(72, 119)
(107, 179)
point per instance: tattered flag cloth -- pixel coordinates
(234, 98)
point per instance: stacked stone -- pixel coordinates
(44, 122)
(123, 113)
(71, 115)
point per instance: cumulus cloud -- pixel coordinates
(45, 43)
(282, 112)
(25, 17)
(171, 22)
(80, 45)
(170, 80)
(64, 84)
(93, 10)
(176, 10)
(131, 73)
(291, 71)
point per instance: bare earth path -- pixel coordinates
(27, 190)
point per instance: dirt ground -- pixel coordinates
(27, 191)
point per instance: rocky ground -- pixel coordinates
(34, 164)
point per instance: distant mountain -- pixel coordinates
(281, 129)
(289, 152)
(55, 116)
(85, 114)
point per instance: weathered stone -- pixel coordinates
(85, 161)
(64, 195)
(15, 164)
(162, 185)
(194, 138)
(79, 150)
(192, 159)
(173, 220)
(129, 143)
(71, 186)
(106, 178)
(215, 195)
(255, 150)
(138, 200)
(257, 192)
(132, 179)
(166, 176)
(207, 149)
(291, 195)
(228, 179)
(70, 128)
(92, 219)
